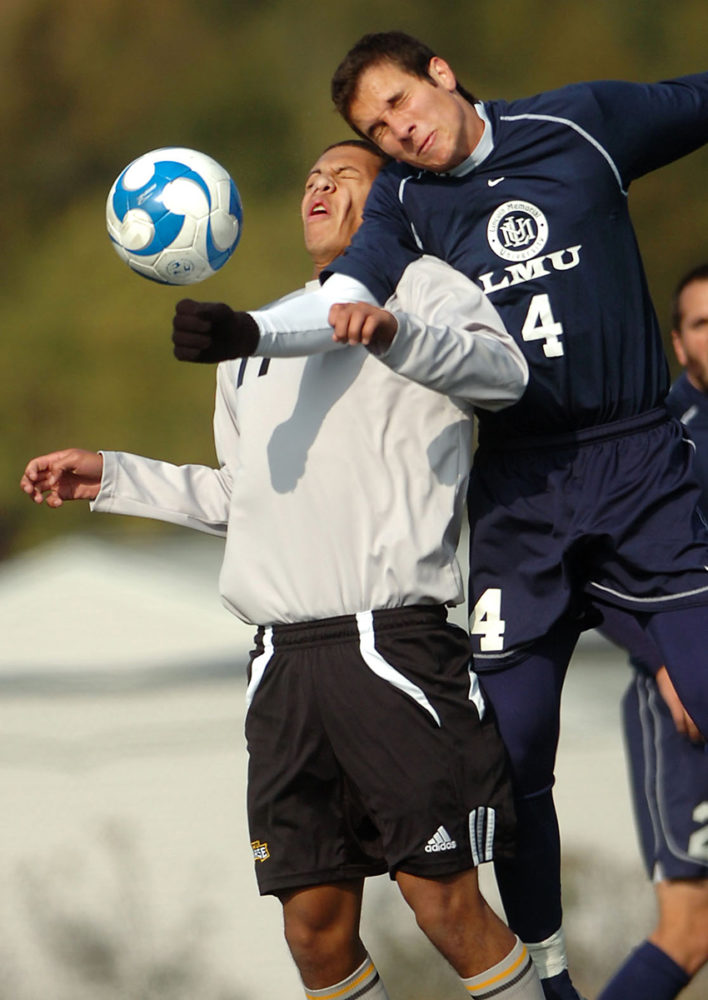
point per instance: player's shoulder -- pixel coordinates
(580, 102)
(395, 170)
(392, 175)
(388, 185)
(566, 97)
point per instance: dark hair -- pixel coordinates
(699, 273)
(365, 144)
(404, 51)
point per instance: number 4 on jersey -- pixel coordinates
(487, 622)
(540, 325)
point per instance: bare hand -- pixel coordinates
(72, 474)
(361, 323)
(682, 720)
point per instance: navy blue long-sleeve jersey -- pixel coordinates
(538, 217)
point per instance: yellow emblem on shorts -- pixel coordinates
(260, 851)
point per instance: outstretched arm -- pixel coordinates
(71, 474)
(295, 326)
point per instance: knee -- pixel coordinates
(443, 903)
(321, 929)
(314, 938)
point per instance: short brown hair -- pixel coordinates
(699, 273)
(404, 51)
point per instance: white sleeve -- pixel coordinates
(297, 326)
(452, 339)
(193, 496)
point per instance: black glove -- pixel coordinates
(209, 332)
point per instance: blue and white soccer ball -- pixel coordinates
(174, 215)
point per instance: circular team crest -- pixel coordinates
(517, 230)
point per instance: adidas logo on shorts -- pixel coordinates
(440, 841)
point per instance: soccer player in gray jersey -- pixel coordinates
(340, 491)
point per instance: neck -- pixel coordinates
(319, 265)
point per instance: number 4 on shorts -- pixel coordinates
(487, 622)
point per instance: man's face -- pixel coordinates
(333, 203)
(423, 123)
(691, 340)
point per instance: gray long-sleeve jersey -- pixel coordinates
(342, 475)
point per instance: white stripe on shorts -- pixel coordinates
(376, 663)
(259, 664)
(481, 823)
(475, 693)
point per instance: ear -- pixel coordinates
(442, 74)
(678, 348)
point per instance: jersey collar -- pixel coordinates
(480, 152)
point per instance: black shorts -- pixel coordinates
(559, 528)
(669, 780)
(371, 750)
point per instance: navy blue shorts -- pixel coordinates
(561, 526)
(370, 750)
(669, 781)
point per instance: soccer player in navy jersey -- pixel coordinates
(668, 765)
(529, 199)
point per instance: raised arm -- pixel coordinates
(209, 332)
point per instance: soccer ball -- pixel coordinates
(174, 215)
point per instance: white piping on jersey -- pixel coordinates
(475, 693)
(376, 663)
(649, 600)
(577, 128)
(259, 664)
(481, 823)
(688, 416)
(651, 738)
(401, 189)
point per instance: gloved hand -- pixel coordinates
(209, 332)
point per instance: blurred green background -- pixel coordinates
(86, 353)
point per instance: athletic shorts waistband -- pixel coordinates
(584, 435)
(347, 626)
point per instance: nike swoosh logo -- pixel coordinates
(495, 181)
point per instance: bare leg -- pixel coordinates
(682, 930)
(321, 926)
(457, 919)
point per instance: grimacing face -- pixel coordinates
(691, 339)
(332, 206)
(425, 124)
